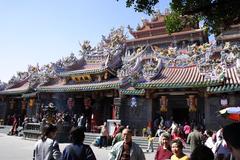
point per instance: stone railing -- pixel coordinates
(33, 131)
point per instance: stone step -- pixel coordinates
(141, 141)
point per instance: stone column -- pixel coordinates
(206, 111)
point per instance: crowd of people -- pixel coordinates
(208, 145)
(223, 144)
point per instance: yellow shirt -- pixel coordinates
(183, 158)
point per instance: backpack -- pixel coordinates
(82, 153)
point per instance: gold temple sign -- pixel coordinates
(82, 78)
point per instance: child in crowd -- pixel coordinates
(150, 142)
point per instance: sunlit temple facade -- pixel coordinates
(179, 76)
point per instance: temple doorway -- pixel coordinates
(180, 115)
(178, 108)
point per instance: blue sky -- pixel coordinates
(43, 31)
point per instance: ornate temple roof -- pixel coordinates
(142, 67)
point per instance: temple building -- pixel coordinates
(153, 32)
(89, 85)
(180, 77)
(231, 35)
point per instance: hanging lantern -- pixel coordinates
(163, 103)
(192, 103)
(133, 102)
(31, 102)
(70, 103)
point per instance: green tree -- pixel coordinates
(217, 15)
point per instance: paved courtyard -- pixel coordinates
(17, 148)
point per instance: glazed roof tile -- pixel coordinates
(87, 69)
(19, 90)
(178, 77)
(132, 91)
(113, 84)
(232, 82)
(166, 35)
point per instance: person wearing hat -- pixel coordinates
(77, 150)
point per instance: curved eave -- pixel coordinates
(29, 95)
(79, 72)
(224, 88)
(14, 92)
(196, 31)
(176, 85)
(79, 88)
